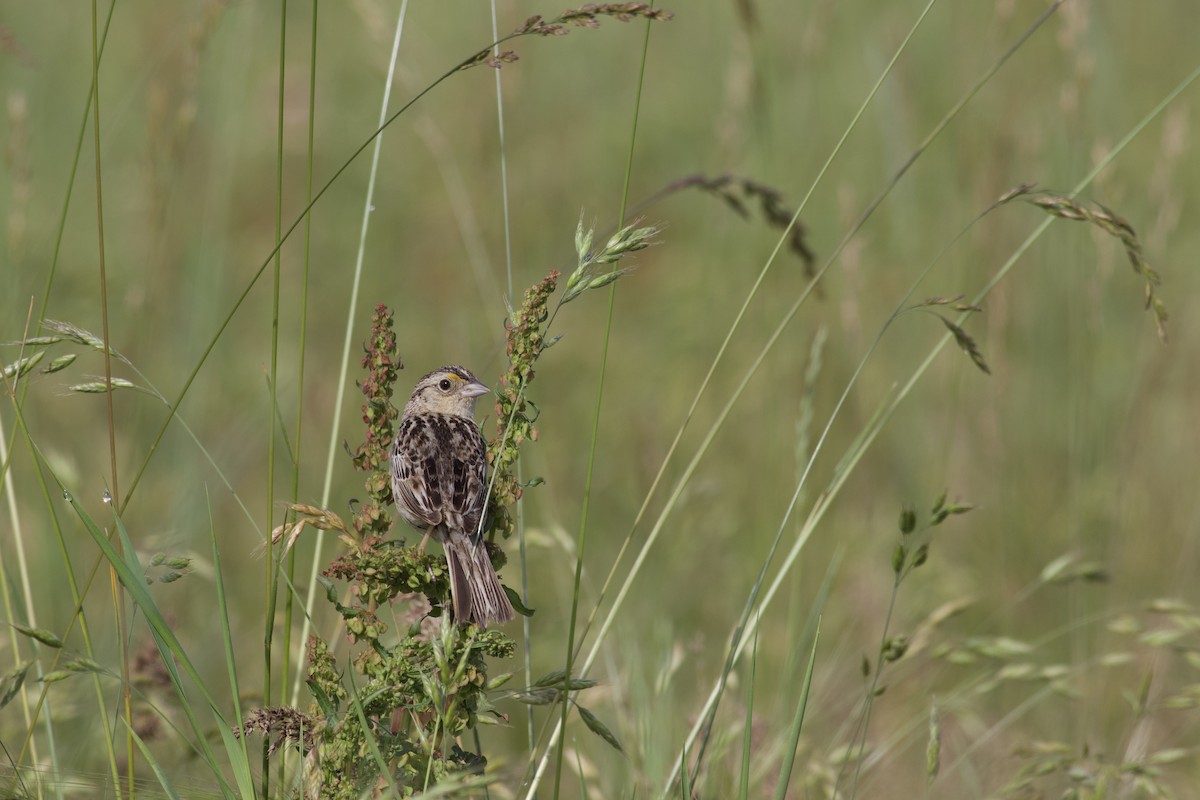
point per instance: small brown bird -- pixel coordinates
(439, 482)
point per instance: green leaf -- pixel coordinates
(599, 728)
(330, 590)
(159, 772)
(785, 771)
(174, 658)
(748, 725)
(517, 605)
(327, 706)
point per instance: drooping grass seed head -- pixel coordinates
(449, 390)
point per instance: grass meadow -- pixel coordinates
(874, 476)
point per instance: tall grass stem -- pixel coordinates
(343, 369)
(591, 462)
(303, 341)
(522, 556)
(114, 586)
(271, 582)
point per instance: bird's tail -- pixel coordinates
(474, 584)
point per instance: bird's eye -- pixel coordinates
(444, 384)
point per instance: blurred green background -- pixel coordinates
(1082, 441)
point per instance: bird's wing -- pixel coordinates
(465, 483)
(415, 486)
(440, 471)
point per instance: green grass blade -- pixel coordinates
(369, 737)
(102, 269)
(685, 789)
(522, 556)
(163, 780)
(239, 755)
(785, 772)
(704, 384)
(9, 596)
(85, 631)
(290, 577)
(172, 651)
(270, 566)
(789, 315)
(747, 732)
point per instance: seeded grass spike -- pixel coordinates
(910, 553)
(933, 750)
(526, 340)
(738, 191)
(99, 386)
(628, 239)
(1106, 220)
(963, 339)
(586, 16)
(23, 366)
(74, 333)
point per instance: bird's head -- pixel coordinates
(447, 390)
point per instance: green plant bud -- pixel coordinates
(604, 280)
(895, 648)
(62, 362)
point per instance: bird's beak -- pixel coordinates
(474, 389)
